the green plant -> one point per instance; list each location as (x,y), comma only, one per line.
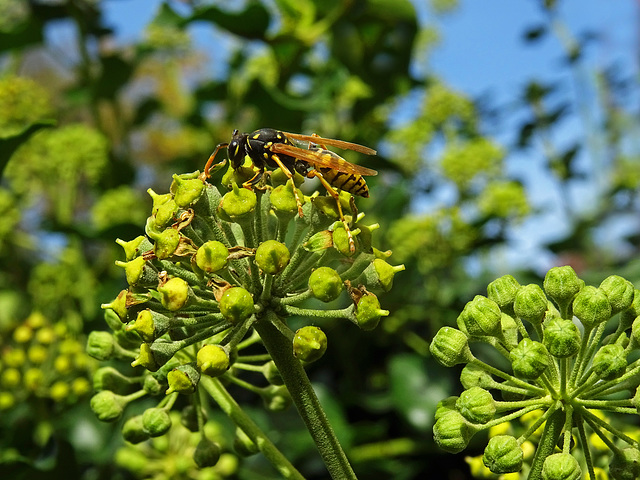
(567,369)
(217,276)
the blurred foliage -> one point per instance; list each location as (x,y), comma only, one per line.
(449,197)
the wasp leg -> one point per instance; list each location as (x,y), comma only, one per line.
(336,197)
(212,157)
(289,175)
(254,180)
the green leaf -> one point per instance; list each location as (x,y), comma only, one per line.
(8,145)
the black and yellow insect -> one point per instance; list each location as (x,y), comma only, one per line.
(305,154)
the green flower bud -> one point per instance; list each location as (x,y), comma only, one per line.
(446,406)
(284,202)
(212,256)
(610,361)
(341,239)
(276,398)
(325,284)
(146,358)
(452,432)
(309,344)
(619,291)
(530,304)
(186,191)
(207,453)
(591,306)
(272,374)
(379,275)
(236,304)
(237,176)
(319,241)
(156,421)
(625,464)
(503,454)
(133,430)
(136,247)
(562,284)
(450,347)
(272,257)
(149,325)
(480,317)
(561,337)
(151,385)
(189,418)
(238,203)
(212,360)
(183,379)
(243,445)
(174,293)
(101,345)
(158,199)
(529,359)
(503,292)
(368,312)
(561,466)
(165,214)
(166,242)
(139,272)
(108,406)
(476,405)
(118,306)
(108,378)
(628,316)
(475,376)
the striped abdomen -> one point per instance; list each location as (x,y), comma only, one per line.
(348,182)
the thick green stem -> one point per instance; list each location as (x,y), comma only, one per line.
(304,397)
(229,406)
(548,441)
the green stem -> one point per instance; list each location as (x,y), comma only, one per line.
(305,399)
(229,406)
(548,441)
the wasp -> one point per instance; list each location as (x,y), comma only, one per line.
(307,155)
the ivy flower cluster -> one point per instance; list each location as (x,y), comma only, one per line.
(42,360)
(566,357)
(216,276)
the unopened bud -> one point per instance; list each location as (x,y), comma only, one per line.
(610,361)
(561,337)
(238,203)
(591,306)
(186,191)
(108,406)
(562,284)
(212,256)
(207,453)
(450,347)
(284,202)
(503,291)
(101,345)
(133,430)
(530,304)
(174,293)
(625,464)
(452,432)
(476,405)
(272,257)
(212,360)
(156,421)
(309,344)
(561,466)
(236,304)
(325,284)
(529,359)
(368,312)
(480,317)
(619,291)
(183,379)
(503,454)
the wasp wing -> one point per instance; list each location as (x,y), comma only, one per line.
(322,158)
(331,142)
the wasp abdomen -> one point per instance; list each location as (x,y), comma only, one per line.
(347,182)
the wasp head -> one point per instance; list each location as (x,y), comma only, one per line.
(237,149)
